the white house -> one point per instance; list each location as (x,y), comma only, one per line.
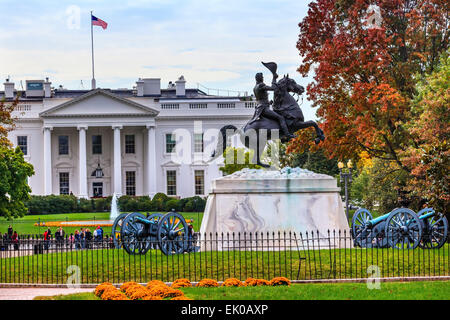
(94,143)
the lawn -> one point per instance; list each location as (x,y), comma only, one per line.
(25,225)
(431,290)
(115,265)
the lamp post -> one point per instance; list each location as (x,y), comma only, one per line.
(346,175)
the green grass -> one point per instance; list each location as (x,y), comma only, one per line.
(432,290)
(115,265)
(25,225)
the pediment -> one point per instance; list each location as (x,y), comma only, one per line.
(99,103)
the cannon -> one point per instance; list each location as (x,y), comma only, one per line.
(137,233)
(399,229)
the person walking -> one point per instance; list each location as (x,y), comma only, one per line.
(77,238)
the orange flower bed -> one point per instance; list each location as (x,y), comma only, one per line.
(251,282)
(207,283)
(139,293)
(102,288)
(114,294)
(126,285)
(280,281)
(173,293)
(135,292)
(159,291)
(154,283)
(181,283)
(232,282)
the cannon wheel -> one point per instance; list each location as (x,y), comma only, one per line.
(362,234)
(115,231)
(435,230)
(134,238)
(403,229)
(172,233)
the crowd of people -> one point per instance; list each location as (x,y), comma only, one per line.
(80,239)
(10,238)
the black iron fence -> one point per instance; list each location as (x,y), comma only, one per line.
(297,256)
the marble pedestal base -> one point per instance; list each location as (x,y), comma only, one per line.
(264,203)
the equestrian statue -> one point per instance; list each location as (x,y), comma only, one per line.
(285,117)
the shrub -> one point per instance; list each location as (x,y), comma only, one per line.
(154,283)
(280,281)
(232,282)
(126,285)
(159,290)
(159,201)
(102,288)
(138,293)
(172,293)
(133,289)
(172,204)
(207,283)
(181,283)
(251,282)
(114,295)
(194,204)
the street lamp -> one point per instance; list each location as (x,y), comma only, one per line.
(346,175)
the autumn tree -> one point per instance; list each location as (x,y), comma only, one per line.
(365,75)
(14,170)
(429,151)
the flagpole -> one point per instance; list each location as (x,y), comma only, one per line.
(92,53)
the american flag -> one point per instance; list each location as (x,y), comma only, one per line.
(99,22)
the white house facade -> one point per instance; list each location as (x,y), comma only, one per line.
(140,141)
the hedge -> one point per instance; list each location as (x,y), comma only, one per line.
(54,204)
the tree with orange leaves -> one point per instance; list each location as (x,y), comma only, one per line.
(365,74)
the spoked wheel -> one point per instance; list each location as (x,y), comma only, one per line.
(172,234)
(134,234)
(435,230)
(116,228)
(403,229)
(361,230)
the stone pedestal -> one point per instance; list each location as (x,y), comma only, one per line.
(265,202)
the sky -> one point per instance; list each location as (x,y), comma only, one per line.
(218,44)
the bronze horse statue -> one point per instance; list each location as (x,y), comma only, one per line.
(285,105)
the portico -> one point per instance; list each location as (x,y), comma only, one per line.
(99,131)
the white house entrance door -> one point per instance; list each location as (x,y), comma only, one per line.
(98,189)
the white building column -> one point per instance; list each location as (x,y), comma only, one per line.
(48,188)
(82,162)
(117,161)
(151,160)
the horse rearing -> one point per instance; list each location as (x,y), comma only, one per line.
(285,105)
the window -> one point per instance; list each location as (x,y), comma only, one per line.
(199,182)
(22,143)
(171,183)
(170,143)
(130,183)
(198,142)
(63,183)
(63,142)
(129,143)
(96,144)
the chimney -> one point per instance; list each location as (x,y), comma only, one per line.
(181,87)
(152,86)
(140,88)
(47,89)
(9,89)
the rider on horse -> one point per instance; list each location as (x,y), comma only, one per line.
(263,107)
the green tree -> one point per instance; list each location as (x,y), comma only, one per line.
(14,189)
(237,159)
